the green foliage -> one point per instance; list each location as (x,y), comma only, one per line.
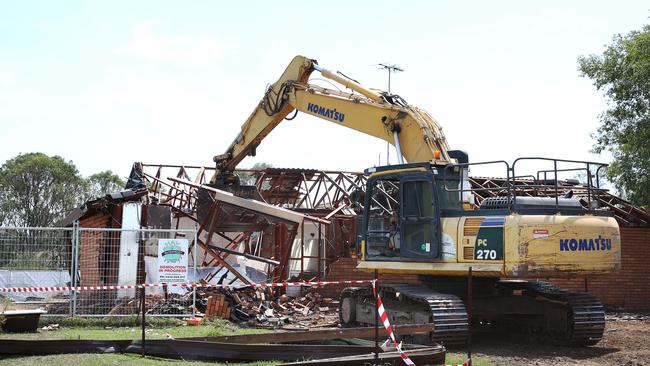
(248,179)
(38,190)
(622,72)
(102,183)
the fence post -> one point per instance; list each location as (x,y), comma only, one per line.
(194,277)
(143,306)
(469,316)
(74,265)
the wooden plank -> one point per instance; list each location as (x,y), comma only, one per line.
(246,255)
(316,335)
(222,262)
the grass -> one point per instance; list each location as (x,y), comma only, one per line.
(121,328)
(458,359)
(129,328)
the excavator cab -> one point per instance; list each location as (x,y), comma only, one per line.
(402,219)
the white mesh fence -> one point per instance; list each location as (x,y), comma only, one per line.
(37,257)
(50,257)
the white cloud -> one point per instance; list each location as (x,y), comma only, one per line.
(189,50)
(12,74)
(7,77)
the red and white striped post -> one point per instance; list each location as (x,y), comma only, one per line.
(389,328)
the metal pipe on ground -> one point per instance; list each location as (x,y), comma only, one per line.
(422,356)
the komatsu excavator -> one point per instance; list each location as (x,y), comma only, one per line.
(419,218)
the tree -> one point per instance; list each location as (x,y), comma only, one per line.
(622,72)
(39,190)
(246,178)
(102,183)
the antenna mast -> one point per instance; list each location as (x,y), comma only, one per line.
(391,69)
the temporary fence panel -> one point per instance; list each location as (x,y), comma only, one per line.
(74,256)
(124,257)
(36,257)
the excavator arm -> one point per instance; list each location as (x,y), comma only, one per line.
(415,134)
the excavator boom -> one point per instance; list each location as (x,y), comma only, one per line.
(414,133)
(266,116)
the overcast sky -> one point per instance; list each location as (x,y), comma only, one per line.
(108,83)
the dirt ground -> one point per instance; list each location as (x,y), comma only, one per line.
(626,343)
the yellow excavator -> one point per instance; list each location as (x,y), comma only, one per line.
(420,218)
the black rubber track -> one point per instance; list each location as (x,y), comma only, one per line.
(585,313)
(448,312)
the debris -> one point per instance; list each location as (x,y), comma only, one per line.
(50,327)
(194,321)
(262,307)
(217,306)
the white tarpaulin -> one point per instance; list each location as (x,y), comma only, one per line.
(27,278)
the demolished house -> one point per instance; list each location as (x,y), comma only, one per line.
(233,240)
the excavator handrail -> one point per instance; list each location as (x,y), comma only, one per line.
(467,165)
(513,188)
(555,175)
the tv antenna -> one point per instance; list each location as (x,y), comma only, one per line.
(391,69)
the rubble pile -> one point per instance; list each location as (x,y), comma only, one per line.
(171,304)
(263,308)
(155,304)
(257,307)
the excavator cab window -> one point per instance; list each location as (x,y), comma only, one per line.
(382,233)
(449,197)
(419,224)
(402,219)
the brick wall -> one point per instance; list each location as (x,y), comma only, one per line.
(628,289)
(89,252)
(344,269)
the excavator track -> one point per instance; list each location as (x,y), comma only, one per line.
(448,312)
(567,318)
(585,314)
